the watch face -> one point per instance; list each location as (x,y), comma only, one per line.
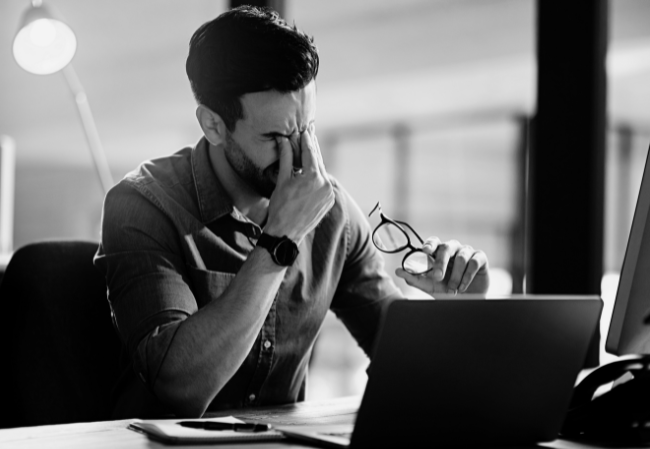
(286,252)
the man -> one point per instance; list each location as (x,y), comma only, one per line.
(223,259)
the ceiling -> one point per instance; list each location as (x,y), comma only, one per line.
(381,60)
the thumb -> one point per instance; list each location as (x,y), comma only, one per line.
(286,159)
(414,280)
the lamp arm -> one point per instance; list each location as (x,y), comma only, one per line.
(88,122)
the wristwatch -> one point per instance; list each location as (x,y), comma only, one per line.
(283,250)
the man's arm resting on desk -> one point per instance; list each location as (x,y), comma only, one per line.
(185,354)
(211,344)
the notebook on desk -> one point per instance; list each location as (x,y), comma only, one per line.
(170,431)
(469,372)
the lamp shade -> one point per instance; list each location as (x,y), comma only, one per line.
(44,44)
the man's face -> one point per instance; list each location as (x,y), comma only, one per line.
(252,150)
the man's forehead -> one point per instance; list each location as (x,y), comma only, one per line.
(276,111)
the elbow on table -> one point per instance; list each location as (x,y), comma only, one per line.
(183,403)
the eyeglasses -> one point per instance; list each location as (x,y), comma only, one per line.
(392,236)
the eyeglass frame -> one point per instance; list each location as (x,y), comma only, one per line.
(400,225)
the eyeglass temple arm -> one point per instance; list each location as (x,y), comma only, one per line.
(403,223)
(377,206)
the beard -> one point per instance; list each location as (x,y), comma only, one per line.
(261,180)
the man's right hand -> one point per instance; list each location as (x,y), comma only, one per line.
(300,200)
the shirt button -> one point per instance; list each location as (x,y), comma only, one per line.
(267,344)
(251,398)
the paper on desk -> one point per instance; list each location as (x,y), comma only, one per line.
(169,431)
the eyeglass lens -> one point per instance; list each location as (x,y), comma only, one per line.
(417,262)
(389,237)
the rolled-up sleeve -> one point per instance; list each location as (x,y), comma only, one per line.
(364,288)
(147,283)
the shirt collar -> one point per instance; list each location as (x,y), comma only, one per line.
(214,201)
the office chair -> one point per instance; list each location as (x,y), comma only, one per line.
(60,354)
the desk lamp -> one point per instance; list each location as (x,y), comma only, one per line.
(44,45)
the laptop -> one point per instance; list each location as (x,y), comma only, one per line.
(468,372)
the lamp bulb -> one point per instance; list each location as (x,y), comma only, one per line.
(44,46)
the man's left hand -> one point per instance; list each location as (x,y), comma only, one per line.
(455,268)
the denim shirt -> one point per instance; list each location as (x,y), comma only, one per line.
(172,241)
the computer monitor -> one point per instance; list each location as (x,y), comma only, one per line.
(629,330)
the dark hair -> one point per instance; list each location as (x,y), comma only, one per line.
(247,49)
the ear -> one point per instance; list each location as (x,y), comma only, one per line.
(212,125)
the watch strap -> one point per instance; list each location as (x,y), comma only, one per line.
(267,241)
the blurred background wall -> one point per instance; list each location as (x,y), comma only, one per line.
(421,105)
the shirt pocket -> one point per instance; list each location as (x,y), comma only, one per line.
(208,285)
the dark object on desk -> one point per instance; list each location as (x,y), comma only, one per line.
(237,427)
(59,350)
(618,417)
(469,372)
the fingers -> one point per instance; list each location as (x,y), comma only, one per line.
(430,245)
(313,162)
(476,263)
(442,253)
(308,153)
(311,151)
(296,151)
(319,154)
(458,264)
(286,159)
(463,271)
(414,280)
(453,267)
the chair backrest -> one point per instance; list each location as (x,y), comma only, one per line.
(60,353)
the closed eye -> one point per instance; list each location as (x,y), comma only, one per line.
(275,135)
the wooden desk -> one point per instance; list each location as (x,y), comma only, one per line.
(115,435)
